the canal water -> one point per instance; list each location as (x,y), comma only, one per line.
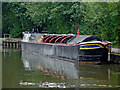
(31,70)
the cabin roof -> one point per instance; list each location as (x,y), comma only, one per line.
(83,38)
(73,40)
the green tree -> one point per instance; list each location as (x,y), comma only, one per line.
(92,18)
(15,20)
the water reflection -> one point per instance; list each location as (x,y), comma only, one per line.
(83,75)
(87,74)
(39,71)
(26,65)
(47,63)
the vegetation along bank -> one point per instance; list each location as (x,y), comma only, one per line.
(98,18)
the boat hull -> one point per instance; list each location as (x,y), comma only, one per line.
(54,50)
(100,54)
(72,52)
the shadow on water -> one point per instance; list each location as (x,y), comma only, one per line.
(34,69)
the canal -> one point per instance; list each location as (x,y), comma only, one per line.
(30,70)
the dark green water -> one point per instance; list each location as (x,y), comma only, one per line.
(33,68)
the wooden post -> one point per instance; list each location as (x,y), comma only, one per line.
(109,50)
(19,44)
(3,44)
(7,45)
(15,46)
(10,44)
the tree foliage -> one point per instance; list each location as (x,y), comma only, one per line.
(98,18)
(15,20)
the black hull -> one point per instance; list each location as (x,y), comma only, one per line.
(100,54)
(72,52)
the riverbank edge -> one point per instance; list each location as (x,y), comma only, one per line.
(115,59)
(116,51)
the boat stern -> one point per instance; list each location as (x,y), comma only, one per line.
(95,51)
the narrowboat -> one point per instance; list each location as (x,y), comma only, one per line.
(83,48)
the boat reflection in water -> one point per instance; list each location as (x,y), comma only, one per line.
(48,64)
(80,75)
